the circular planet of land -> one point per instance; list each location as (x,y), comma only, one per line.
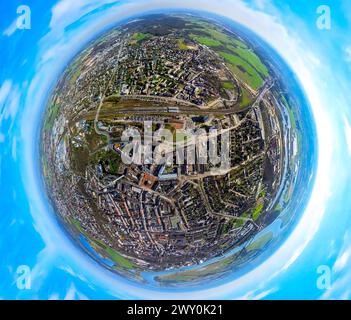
(168,142)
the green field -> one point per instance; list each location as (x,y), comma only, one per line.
(182,45)
(138,37)
(241,59)
(110,159)
(238,65)
(214,34)
(210,42)
(245,98)
(240,44)
(191,275)
(53,112)
(260,242)
(119,259)
(238,223)
(252,59)
(257,211)
(115,256)
(291,113)
(76,224)
(228,85)
(292,119)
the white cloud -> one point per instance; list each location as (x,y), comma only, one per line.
(341,276)
(14,149)
(74,274)
(71,292)
(11,29)
(344,256)
(54,296)
(9,100)
(44,263)
(4,91)
(343,260)
(13,104)
(261,4)
(257,294)
(74,294)
(348,134)
(347,52)
(66,12)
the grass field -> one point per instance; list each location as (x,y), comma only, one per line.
(182,45)
(115,256)
(251,58)
(215,34)
(228,85)
(119,259)
(257,211)
(76,224)
(291,113)
(53,113)
(246,98)
(237,65)
(243,61)
(210,42)
(137,37)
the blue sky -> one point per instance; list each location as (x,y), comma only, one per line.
(31,60)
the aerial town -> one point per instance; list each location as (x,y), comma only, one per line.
(164,143)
